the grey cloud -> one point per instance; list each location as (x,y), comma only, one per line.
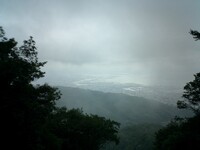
(149,40)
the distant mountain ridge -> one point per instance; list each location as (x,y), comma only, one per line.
(109,83)
(120,107)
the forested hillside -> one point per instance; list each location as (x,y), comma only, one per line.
(140,118)
(123,108)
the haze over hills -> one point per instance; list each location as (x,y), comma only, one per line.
(112,84)
(140,117)
(123,108)
(142,110)
(167,95)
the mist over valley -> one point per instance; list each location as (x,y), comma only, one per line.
(125,108)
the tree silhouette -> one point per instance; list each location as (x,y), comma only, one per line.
(179,134)
(191,93)
(24,107)
(29,117)
(183,133)
(82,131)
(195,34)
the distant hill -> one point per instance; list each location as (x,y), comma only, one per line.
(120,107)
(161,93)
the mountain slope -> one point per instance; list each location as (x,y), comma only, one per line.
(120,107)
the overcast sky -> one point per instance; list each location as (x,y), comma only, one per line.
(140,41)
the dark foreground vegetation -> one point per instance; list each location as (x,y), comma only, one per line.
(139,137)
(183,133)
(30,119)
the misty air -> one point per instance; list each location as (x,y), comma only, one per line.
(100,74)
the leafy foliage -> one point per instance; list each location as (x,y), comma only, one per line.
(83,131)
(139,136)
(191,95)
(179,134)
(24,107)
(183,133)
(29,117)
(195,34)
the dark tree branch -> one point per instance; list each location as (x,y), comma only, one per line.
(195,34)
